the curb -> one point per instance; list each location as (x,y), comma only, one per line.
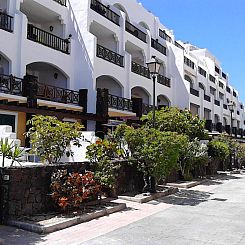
(45,229)
(154,196)
(186,185)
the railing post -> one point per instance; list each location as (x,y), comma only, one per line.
(138,106)
(83,99)
(30,88)
(102,103)
(219,127)
(208,125)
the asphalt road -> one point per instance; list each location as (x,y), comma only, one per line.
(197,217)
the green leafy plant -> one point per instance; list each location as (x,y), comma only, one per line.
(176,120)
(241,154)
(16,153)
(219,152)
(50,138)
(155,152)
(102,155)
(193,155)
(5,149)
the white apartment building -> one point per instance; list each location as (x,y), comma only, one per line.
(58,56)
(121,36)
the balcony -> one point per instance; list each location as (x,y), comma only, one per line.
(207,98)
(21,87)
(10,85)
(135,31)
(158,46)
(61,2)
(164,80)
(140,70)
(120,103)
(47,39)
(105,11)
(146,108)
(6,22)
(109,55)
(217,102)
(55,94)
(194,92)
(164,35)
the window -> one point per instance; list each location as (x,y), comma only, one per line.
(211,78)
(234,94)
(221,95)
(224,75)
(201,86)
(212,90)
(228,89)
(8,120)
(241,106)
(217,69)
(189,62)
(202,71)
(221,85)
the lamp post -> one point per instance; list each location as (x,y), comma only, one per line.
(231,108)
(153,66)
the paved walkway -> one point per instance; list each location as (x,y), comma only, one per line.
(212,213)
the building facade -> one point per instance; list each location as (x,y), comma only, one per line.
(121,36)
(86,61)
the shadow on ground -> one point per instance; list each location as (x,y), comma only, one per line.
(12,235)
(186,198)
(220,180)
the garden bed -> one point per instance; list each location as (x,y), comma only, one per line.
(162,191)
(51,222)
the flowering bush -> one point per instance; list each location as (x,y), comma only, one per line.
(70,191)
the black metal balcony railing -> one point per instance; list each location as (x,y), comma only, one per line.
(61,2)
(178,45)
(6,22)
(140,70)
(194,92)
(56,94)
(207,98)
(146,108)
(109,55)
(120,103)
(225,106)
(217,102)
(105,11)
(164,80)
(164,35)
(159,47)
(135,31)
(10,85)
(45,38)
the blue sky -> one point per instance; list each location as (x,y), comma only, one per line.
(218,25)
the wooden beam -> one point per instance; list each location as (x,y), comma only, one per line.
(48,112)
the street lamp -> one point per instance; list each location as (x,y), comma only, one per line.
(154,66)
(231,108)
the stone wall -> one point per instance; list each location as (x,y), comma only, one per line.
(29,187)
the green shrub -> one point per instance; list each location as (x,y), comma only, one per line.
(50,137)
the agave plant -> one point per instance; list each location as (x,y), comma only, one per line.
(5,149)
(16,153)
